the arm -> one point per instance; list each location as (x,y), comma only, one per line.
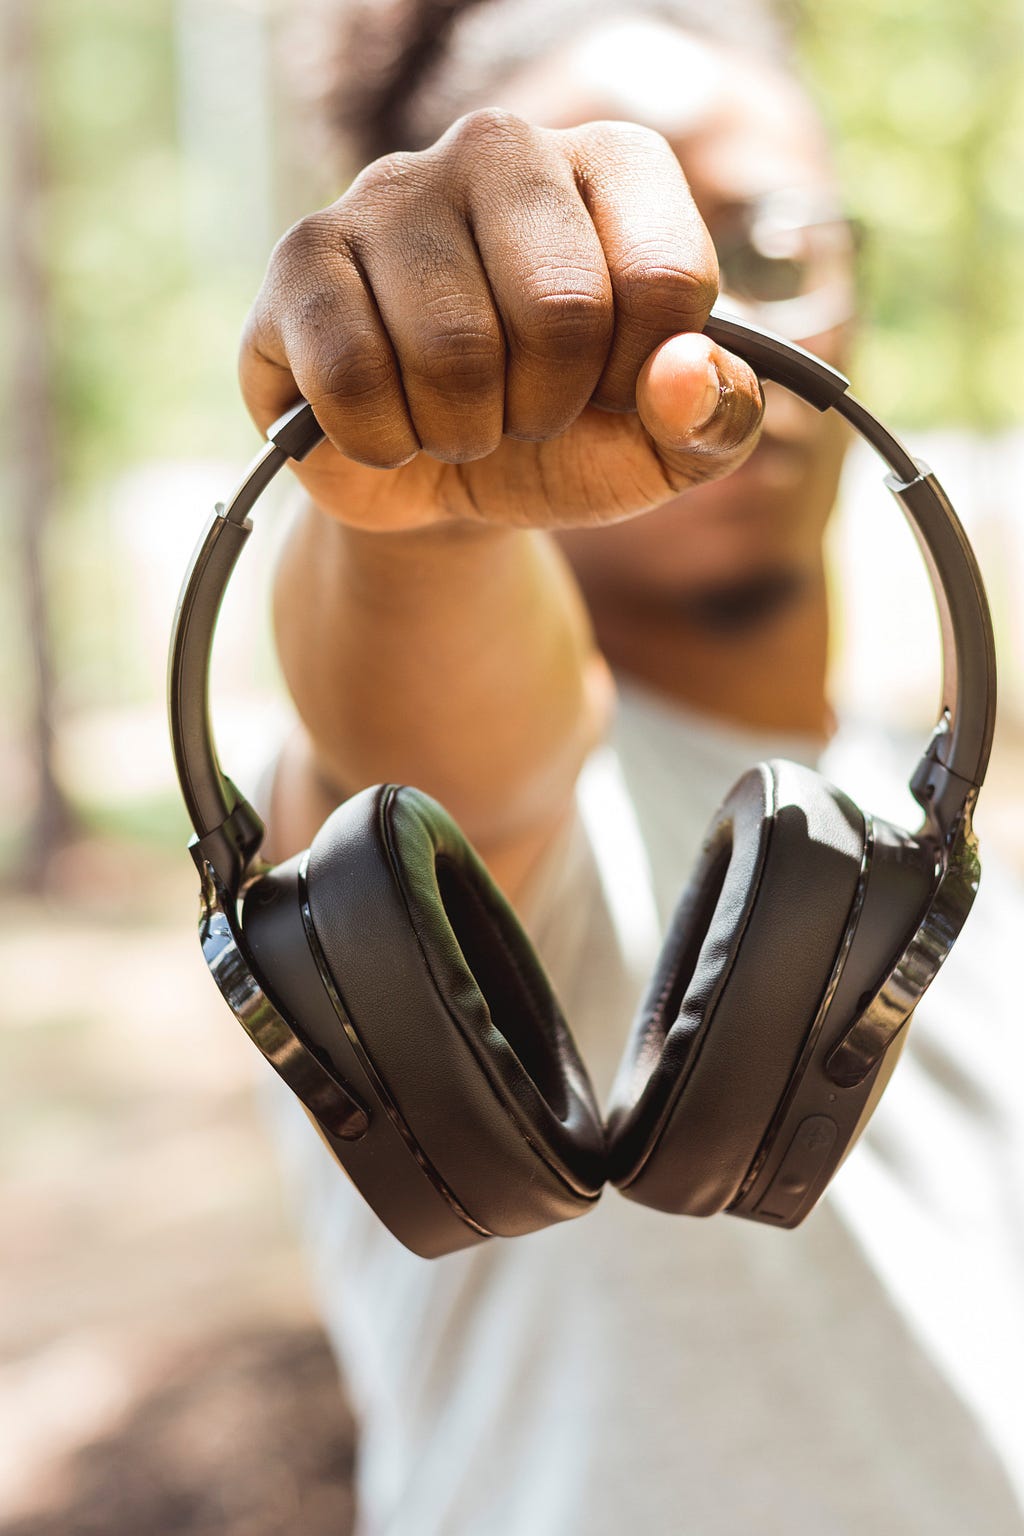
(458,658)
(497,336)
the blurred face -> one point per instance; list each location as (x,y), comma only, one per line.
(755,157)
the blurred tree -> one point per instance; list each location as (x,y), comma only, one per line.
(31,420)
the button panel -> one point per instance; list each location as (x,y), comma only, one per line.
(798,1172)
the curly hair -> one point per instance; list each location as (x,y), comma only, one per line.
(392,74)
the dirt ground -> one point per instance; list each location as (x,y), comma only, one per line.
(160,1367)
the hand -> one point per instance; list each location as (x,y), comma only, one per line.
(502,328)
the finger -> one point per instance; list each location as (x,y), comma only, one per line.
(436,304)
(546,270)
(661,261)
(315,330)
(701,406)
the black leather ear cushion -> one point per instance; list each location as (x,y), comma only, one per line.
(738,984)
(448,1000)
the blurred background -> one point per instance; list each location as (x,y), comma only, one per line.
(159,1366)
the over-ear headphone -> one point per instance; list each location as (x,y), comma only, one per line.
(387,980)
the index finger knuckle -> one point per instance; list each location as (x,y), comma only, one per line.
(458,361)
(652,287)
(487,128)
(563,311)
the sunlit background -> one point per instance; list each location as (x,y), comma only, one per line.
(154,1327)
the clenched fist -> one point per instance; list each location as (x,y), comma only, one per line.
(503,327)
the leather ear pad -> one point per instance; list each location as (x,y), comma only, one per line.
(447,999)
(744,967)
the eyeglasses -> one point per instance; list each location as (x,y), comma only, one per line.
(788,261)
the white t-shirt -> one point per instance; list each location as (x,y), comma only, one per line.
(632,1371)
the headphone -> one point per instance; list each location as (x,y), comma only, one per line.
(387,980)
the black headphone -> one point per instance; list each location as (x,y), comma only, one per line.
(390,984)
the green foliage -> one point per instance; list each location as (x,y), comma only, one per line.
(144,344)
(142,333)
(926,102)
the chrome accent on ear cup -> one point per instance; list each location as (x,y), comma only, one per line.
(331,1102)
(368,1065)
(867,1040)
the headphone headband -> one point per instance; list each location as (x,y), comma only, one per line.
(951,768)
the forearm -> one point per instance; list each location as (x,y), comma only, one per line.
(458,658)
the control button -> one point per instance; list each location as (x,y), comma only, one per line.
(798,1172)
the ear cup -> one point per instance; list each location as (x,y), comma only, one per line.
(738,984)
(450,1006)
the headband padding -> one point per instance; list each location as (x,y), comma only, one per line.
(448,1000)
(738,984)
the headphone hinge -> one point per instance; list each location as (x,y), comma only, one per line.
(941,793)
(230,848)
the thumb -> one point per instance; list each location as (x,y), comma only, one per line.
(702,407)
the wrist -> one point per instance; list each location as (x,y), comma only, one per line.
(453,547)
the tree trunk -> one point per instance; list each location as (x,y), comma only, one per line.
(31,413)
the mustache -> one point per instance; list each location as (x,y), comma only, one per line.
(735,608)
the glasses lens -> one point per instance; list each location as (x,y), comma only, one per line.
(791,270)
